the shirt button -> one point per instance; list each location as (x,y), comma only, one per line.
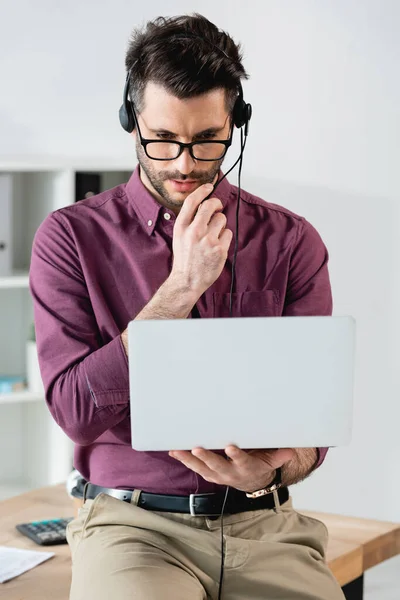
(149,222)
(167,216)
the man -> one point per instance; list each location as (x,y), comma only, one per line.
(152,249)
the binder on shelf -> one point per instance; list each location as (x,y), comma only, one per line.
(5,225)
(86,185)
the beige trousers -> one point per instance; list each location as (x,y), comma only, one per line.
(121,551)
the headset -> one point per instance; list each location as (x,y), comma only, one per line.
(241,115)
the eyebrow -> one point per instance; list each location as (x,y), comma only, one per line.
(209,130)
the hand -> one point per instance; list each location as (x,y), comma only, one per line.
(244,470)
(200,241)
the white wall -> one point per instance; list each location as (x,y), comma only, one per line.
(362,234)
(324,142)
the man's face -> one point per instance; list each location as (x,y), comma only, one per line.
(166,117)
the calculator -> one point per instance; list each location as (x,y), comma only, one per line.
(46,533)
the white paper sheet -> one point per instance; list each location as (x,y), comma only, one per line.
(14,561)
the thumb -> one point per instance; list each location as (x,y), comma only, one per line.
(274,458)
(282,456)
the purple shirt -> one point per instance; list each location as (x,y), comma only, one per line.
(97,263)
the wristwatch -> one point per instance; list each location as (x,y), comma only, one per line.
(275,484)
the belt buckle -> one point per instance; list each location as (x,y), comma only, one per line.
(192,499)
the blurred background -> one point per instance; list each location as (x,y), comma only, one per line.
(324,142)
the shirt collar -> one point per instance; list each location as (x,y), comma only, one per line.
(147,207)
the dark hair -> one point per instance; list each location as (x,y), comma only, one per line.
(185,66)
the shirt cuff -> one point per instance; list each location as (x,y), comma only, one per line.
(321,452)
(107,374)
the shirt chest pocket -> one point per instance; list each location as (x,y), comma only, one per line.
(247,304)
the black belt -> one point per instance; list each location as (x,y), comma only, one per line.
(195,504)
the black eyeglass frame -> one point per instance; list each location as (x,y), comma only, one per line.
(145,141)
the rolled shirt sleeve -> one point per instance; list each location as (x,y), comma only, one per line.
(309,289)
(86,380)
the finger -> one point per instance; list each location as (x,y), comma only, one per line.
(193,463)
(217,225)
(206,212)
(214,462)
(191,204)
(226,239)
(239,457)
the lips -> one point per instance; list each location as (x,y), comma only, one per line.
(183,186)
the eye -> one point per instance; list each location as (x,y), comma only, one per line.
(207,136)
(164,136)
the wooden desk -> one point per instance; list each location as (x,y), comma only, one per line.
(378,541)
(354,546)
(52,579)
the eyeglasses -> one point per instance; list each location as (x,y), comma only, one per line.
(206,150)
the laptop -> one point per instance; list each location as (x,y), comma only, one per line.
(256,382)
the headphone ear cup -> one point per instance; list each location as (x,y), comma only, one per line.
(249,112)
(241,113)
(238,113)
(126,117)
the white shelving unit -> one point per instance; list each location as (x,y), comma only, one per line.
(34,451)
(23,396)
(16,280)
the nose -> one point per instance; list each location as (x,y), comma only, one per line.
(185,163)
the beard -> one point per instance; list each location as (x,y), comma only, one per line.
(158,179)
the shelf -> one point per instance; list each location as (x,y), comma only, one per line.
(19,279)
(61,163)
(34,450)
(25,396)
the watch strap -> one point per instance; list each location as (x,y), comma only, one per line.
(275,484)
